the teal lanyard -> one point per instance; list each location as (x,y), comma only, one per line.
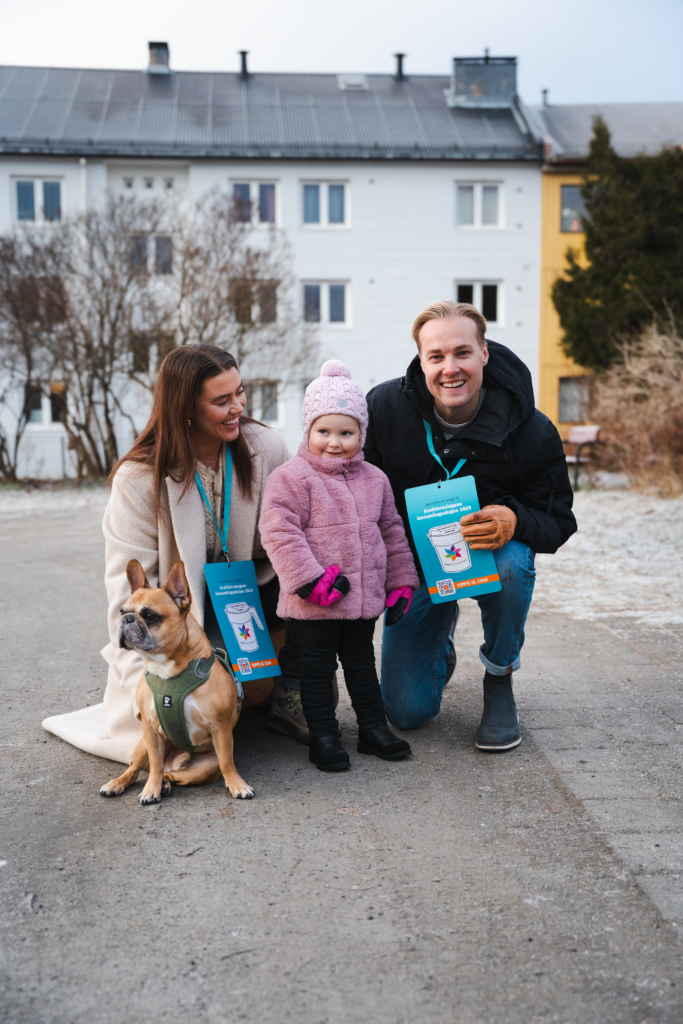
(227,491)
(430,442)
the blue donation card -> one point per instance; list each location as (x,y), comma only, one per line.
(234,593)
(452,570)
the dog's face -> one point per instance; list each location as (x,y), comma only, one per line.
(153,621)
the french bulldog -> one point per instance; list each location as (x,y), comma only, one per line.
(158,624)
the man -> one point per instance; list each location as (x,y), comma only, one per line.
(479,401)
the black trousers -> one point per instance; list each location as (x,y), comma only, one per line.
(320,641)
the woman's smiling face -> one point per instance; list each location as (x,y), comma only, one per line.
(218,408)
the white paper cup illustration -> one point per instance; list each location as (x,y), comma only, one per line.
(240,617)
(449,545)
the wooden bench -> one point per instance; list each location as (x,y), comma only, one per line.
(582,437)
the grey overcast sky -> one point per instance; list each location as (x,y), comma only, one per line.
(583,51)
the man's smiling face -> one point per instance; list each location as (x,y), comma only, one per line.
(453,360)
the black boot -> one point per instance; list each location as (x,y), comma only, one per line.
(499,728)
(327,753)
(381,741)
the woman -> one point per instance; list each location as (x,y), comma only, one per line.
(156,514)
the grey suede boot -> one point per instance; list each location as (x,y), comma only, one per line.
(499,728)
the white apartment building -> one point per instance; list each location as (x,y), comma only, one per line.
(394,191)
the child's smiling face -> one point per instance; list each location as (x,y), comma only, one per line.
(334,437)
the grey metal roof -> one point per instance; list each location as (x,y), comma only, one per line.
(196,114)
(635,127)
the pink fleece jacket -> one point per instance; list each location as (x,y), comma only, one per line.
(319,512)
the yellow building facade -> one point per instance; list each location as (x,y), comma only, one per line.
(562,392)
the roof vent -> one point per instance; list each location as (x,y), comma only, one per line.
(399,76)
(352,83)
(482,82)
(159,57)
(244,71)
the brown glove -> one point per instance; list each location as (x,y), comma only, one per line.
(489,529)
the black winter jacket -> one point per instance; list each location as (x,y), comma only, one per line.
(513,451)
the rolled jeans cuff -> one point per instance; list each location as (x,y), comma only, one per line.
(499,670)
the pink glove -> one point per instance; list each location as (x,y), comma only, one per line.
(327,589)
(398,602)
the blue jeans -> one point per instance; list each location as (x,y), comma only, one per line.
(415,650)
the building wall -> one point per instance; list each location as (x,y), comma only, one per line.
(400,250)
(553,363)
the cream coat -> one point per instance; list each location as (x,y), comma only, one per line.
(133,530)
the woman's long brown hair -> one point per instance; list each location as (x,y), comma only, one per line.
(165,443)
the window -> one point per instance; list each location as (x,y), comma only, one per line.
(262,400)
(127,182)
(57,403)
(574,397)
(478,205)
(311,204)
(485,296)
(267,300)
(266,204)
(572,210)
(165,344)
(326,304)
(34,404)
(52,210)
(168,183)
(138,345)
(49,194)
(241,202)
(149,182)
(26,205)
(325,204)
(138,252)
(254,201)
(163,254)
(241,297)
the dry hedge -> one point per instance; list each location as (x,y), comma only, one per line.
(639,406)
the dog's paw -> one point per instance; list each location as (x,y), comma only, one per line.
(241,791)
(149,798)
(111,789)
(165,788)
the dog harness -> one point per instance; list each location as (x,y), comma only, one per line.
(170,694)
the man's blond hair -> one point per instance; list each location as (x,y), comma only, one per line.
(448,310)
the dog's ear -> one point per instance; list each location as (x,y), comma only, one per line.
(136,576)
(177,586)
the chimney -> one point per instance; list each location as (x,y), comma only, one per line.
(399,76)
(159,57)
(483,82)
(244,74)
(544,94)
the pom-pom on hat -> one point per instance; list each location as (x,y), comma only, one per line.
(334,392)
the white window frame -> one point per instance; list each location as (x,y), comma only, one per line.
(325,304)
(253,184)
(478,206)
(46,423)
(477,297)
(38,181)
(324,223)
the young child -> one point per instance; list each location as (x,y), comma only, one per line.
(332,532)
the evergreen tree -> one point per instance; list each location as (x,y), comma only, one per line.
(634,245)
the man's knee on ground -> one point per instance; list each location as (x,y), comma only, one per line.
(407,717)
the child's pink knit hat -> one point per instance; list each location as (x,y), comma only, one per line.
(334,392)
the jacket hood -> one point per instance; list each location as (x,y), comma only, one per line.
(509,400)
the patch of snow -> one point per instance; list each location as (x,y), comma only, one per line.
(625,561)
(15,501)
